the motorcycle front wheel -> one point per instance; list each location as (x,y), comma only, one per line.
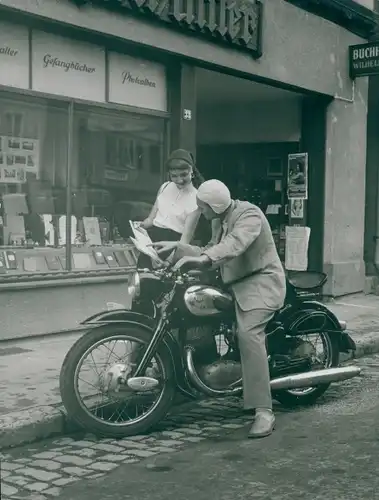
(100,404)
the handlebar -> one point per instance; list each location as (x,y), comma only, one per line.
(170,275)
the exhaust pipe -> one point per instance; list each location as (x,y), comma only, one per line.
(298,381)
(317,377)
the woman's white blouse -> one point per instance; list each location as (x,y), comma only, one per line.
(174,205)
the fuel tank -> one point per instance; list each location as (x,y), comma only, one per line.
(205,300)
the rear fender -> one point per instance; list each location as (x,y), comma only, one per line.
(130,318)
(312,317)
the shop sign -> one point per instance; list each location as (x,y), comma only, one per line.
(135,82)
(67,67)
(14,55)
(235,22)
(364,59)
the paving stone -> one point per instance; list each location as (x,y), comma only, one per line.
(131,461)
(73,460)
(132,444)
(22,460)
(49,455)
(75,471)
(18,480)
(187,430)
(114,458)
(142,453)
(46,464)
(173,434)
(82,444)
(97,476)
(5,473)
(194,439)
(10,466)
(36,486)
(54,492)
(110,448)
(86,452)
(103,466)
(162,449)
(8,490)
(168,442)
(64,481)
(232,426)
(64,441)
(40,475)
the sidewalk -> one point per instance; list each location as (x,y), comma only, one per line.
(30,404)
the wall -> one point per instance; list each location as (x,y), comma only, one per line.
(299,48)
(345,180)
(259,122)
(54,308)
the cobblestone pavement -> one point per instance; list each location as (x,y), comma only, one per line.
(41,471)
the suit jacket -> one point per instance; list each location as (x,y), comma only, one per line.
(248,259)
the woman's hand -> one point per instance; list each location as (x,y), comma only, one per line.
(200,261)
(165,246)
(145,224)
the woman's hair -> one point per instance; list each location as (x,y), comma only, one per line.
(181,158)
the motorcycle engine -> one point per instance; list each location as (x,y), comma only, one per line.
(220,374)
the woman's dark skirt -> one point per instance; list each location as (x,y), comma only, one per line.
(158,234)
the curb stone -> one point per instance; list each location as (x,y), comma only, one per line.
(38,423)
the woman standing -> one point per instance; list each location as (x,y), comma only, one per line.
(175,215)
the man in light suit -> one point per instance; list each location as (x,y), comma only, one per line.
(250,266)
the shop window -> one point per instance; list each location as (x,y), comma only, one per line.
(33,160)
(113,180)
(116,169)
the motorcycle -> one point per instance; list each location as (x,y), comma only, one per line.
(181,331)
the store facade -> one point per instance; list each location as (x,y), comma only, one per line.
(95,94)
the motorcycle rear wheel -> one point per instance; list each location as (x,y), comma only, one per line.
(295,398)
(75,407)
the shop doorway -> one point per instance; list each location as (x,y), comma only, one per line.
(245,132)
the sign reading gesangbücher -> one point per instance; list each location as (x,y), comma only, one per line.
(364,59)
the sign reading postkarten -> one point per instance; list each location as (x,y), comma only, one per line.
(364,59)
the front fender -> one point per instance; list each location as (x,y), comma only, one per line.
(312,317)
(126,317)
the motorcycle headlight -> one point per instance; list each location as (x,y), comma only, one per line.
(134,287)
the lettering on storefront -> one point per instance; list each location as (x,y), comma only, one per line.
(236,22)
(50,61)
(364,59)
(128,77)
(8,51)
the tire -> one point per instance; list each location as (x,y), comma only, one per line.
(291,400)
(81,416)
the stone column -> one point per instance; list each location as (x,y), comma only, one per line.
(345,173)
(182,85)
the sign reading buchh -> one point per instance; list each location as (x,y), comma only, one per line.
(364,59)
(237,23)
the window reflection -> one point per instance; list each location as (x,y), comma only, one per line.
(116,173)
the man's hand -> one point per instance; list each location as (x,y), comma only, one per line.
(165,246)
(199,261)
(145,224)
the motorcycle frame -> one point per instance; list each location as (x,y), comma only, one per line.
(289,318)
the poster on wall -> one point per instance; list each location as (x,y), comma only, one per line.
(298,176)
(17,157)
(297,208)
(296,252)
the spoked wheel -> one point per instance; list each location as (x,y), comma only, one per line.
(91,382)
(322,350)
